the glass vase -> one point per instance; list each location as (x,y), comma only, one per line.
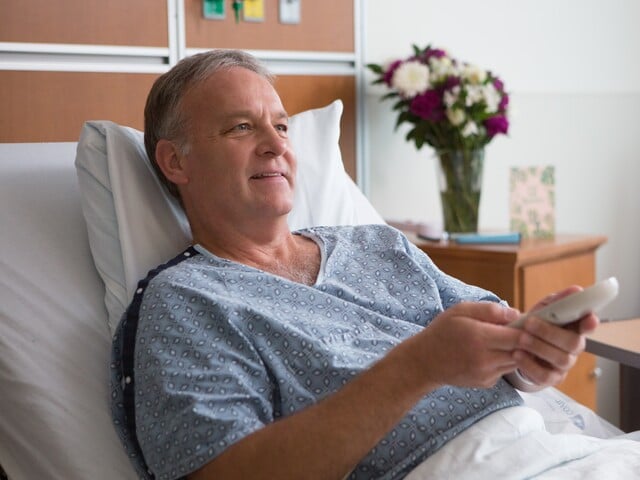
(460,182)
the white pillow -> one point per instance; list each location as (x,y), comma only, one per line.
(134,224)
(325,194)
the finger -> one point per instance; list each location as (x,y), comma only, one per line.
(588,324)
(484,334)
(500,338)
(547,354)
(565,339)
(489,312)
(538,371)
(584,325)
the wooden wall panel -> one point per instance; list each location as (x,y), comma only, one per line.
(53,106)
(300,93)
(116,22)
(326,25)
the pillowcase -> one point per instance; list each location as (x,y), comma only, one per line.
(134,224)
(324,194)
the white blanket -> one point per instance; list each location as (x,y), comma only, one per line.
(514,444)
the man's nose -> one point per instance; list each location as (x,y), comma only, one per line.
(272,142)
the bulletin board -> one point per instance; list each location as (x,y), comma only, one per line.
(325,26)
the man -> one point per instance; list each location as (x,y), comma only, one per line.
(327,353)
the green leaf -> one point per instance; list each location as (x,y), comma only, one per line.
(375,68)
(404,117)
(410,135)
(400,104)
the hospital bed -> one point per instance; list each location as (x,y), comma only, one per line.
(81,222)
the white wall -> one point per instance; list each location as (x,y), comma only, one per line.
(573,70)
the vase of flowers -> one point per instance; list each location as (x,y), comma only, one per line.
(457,109)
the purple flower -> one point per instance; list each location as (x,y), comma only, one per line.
(451,82)
(435,52)
(504,103)
(429,53)
(388,75)
(428,106)
(498,84)
(496,125)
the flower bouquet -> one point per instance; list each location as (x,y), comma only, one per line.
(456,108)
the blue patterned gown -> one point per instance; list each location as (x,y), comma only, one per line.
(211,350)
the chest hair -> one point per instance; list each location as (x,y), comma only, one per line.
(303,266)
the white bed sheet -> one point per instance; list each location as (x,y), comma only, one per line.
(514,443)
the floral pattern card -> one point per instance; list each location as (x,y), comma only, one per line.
(532,201)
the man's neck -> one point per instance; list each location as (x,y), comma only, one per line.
(275,250)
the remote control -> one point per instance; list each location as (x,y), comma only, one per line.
(576,305)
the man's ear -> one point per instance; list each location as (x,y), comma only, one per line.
(171,162)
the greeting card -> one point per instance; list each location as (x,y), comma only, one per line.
(532,201)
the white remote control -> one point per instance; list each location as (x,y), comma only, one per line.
(576,305)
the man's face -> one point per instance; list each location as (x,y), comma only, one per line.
(239,162)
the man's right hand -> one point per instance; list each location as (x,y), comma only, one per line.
(467,345)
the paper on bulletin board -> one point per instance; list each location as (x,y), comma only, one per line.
(532,201)
(253,10)
(213,9)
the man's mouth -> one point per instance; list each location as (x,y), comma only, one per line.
(267,175)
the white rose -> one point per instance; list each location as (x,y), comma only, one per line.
(451,96)
(456,116)
(475,94)
(469,129)
(411,78)
(440,68)
(473,74)
(491,97)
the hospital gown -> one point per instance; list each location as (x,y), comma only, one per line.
(211,350)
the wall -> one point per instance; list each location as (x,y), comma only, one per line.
(574,77)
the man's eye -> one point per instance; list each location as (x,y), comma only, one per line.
(282,128)
(242,126)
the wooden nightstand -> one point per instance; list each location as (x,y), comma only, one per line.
(523,274)
(620,341)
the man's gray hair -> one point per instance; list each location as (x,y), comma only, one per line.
(163,116)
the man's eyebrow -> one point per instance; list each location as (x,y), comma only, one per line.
(282,115)
(238,114)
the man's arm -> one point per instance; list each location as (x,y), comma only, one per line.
(328,439)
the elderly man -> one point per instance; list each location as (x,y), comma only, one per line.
(326,353)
